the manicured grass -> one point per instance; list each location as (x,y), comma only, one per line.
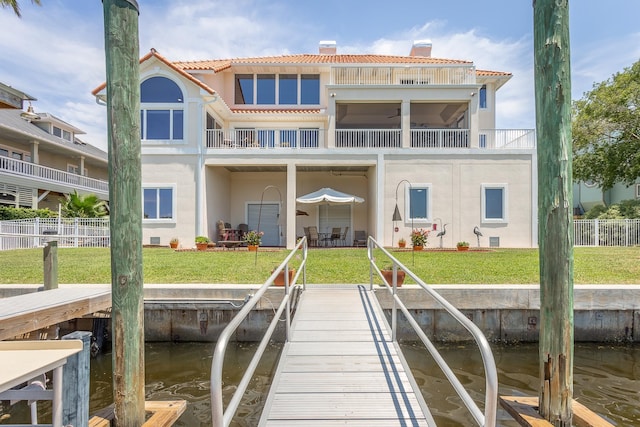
(163,265)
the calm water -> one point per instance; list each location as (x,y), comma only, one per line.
(606,379)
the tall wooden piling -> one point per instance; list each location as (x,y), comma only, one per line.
(50,264)
(555,205)
(123,120)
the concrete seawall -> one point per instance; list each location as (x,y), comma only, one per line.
(506,313)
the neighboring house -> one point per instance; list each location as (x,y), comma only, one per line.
(219,135)
(41,160)
(586,195)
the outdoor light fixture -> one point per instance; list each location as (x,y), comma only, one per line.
(396,212)
(30,114)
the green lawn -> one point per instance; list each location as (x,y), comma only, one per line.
(91,265)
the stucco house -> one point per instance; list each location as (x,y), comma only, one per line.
(42,158)
(225,139)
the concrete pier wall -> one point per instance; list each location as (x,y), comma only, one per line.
(505,313)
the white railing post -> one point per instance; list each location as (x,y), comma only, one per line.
(596,228)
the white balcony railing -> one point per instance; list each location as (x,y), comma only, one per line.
(404,76)
(368,138)
(439,138)
(265,138)
(507,138)
(44,173)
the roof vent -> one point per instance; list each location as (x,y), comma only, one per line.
(328,47)
(421,48)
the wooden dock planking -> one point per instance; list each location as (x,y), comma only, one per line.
(341,368)
(163,413)
(524,409)
(22,314)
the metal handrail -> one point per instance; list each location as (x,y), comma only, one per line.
(219,416)
(488,419)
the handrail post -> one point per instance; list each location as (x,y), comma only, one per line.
(288,310)
(394,309)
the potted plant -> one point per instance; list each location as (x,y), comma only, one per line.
(253,239)
(202,242)
(279,280)
(462,246)
(387,273)
(419,238)
(402,242)
(173,243)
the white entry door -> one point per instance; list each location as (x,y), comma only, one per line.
(269,217)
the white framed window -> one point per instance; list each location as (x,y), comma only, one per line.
(158,203)
(637,191)
(161,110)
(494,203)
(418,203)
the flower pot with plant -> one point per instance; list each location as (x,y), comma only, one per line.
(462,246)
(402,242)
(253,239)
(173,243)
(387,273)
(202,242)
(419,238)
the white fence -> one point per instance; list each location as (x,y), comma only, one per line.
(69,232)
(606,232)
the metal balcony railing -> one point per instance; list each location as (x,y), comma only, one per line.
(368,138)
(507,138)
(403,76)
(265,138)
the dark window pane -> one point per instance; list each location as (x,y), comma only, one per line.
(166,202)
(483,97)
(150,203)
(310,89)
(178,124)
(493,201)
(158,124)
(244,89)
(288,89)
(418,200)
(160,89)
(57,132)
(266,89)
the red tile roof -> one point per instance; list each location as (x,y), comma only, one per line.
(276,110)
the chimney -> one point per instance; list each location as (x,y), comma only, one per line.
(421,48)
(327,47)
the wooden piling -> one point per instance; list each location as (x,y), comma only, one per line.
(50,263)
(555,204)
(123,120)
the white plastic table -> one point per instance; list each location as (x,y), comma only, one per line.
(21,361)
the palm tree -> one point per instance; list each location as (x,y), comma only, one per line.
(15,6)
(89,206)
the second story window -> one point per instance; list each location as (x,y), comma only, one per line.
(483,96)
(161,110)
(277,89)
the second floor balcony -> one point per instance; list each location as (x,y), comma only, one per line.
(418,139)
(35,175)
(349,75)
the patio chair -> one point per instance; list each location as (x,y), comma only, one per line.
(343,236)
(334,237)
(313,236)
(360,238)
(244,229)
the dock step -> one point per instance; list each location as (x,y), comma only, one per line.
(163,413)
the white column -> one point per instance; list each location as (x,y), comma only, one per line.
(291,205)
(35,153)
(81,166)
(379,203)
(405,123)
(331,113)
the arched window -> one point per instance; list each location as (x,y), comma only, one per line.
(161,110)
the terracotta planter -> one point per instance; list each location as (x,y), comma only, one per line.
(463,248)
(402,245)
(279,280)
(388,277)
(173,245)
(417,248)
(202,246)
(252,248)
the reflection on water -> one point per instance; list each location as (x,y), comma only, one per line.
(605,380)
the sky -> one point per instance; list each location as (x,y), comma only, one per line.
(55,52)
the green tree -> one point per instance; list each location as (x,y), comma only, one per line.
(606,131)
(15,6)
(78,206)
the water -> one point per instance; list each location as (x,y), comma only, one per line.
(606,380)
